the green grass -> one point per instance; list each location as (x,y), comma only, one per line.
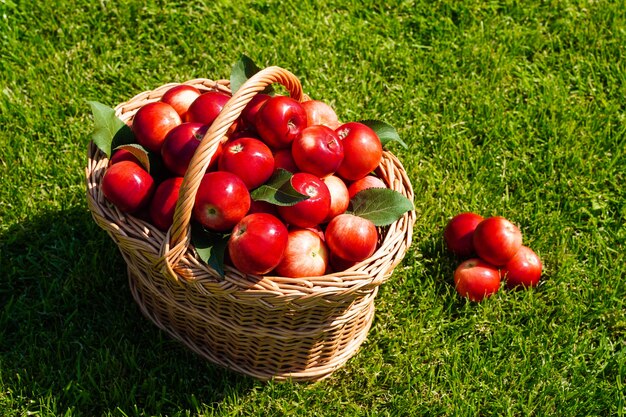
(509,108)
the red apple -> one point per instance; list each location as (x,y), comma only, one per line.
(260,206)
(320,113)
(163,203)
(338,264)
(339,198)
(351,237)
(279,121)
(318,150)
(248,114)
(283,159)
(313,210)
(306,255)
(152,122)
(459,233)
(362,150)
(123,155)
(476,279)
(128,186)
(248,158)
(523,270)
(257,243)
(368,181)
(180,144)
(497,240)
(207,107)
(222,200)
(180,98)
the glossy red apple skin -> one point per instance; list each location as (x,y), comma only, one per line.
(128,186)
(306,255)
(222,200)
(320,113)
(279,121)
(368,181)
(351,237)
(207,107)
(180,98)
(257,243)
(459,233)
(523,270)
(312,211)
(152,122)
(338,264)
(163,203)
(339,197)
(123,155)
(362,150)
(496,240)
(248,158)
(317,150)
(248,114)
(283,159)
(180,144)
(476,279)
(259,206)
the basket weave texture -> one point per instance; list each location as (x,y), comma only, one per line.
(267,327)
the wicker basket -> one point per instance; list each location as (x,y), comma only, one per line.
(267,327)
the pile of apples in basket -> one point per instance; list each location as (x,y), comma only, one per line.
(290,191)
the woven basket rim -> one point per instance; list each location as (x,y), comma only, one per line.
(270,290)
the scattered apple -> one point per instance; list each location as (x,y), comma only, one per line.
(497,240)
(459,233)
(523,270)
(476,279)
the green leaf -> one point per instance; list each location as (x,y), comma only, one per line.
(242,71)
(278,190)
(109,131)
(382,206)
(210,246)
(385,132)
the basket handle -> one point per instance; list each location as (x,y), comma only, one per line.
(178,239)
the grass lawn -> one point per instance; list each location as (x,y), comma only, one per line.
(508,108)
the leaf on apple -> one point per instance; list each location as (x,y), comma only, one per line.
(278,190)
(385,132)
(242,71)
(382,206)
(109,131)
(138,152)
(210,246)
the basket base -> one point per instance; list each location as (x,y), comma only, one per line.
(307,353)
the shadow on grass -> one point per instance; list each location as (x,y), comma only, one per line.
(72,337)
